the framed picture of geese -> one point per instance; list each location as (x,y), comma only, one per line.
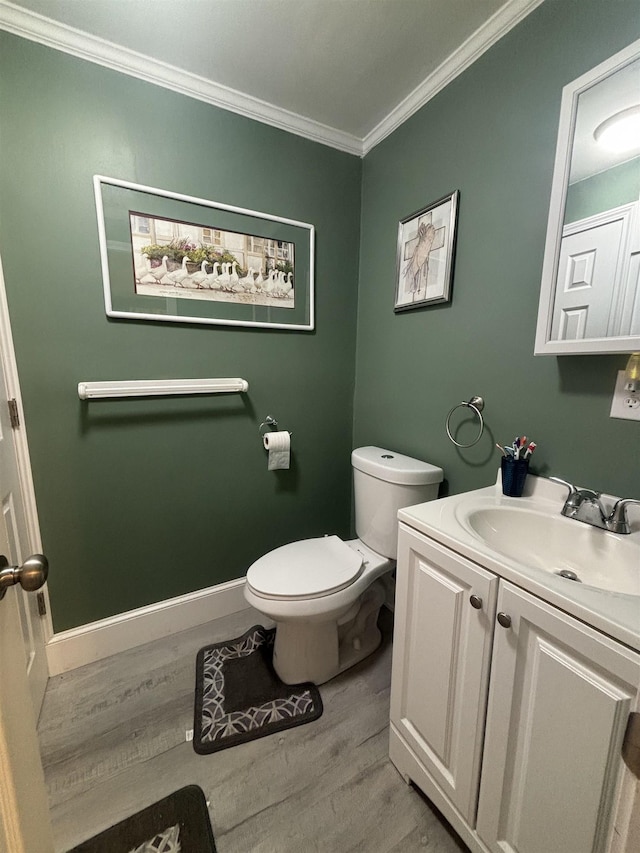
(426,246)
(180,259)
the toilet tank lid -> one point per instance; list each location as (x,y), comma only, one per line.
(394,467)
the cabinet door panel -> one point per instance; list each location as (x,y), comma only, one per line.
(558,707)
(442,648)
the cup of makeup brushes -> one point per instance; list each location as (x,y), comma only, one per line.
(514,475)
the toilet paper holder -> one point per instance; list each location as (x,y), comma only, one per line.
(269,422)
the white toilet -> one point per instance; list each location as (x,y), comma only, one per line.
(324,594)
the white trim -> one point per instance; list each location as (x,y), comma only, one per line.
(507,17)
(21,444)
(605,217)
(38,28)
(97,640)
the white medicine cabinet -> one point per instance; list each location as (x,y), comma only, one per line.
(590,291)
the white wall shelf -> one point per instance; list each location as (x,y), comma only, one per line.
(159,388)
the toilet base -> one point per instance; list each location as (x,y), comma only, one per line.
(318,651)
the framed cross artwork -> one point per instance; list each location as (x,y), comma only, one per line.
(426,244)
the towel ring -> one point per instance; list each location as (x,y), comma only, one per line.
(475,403)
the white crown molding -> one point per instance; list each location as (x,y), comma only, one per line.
(35,27)
(38,28)
(484,37)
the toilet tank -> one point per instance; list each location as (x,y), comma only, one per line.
(384,482)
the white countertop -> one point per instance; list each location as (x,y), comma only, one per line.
(615,614)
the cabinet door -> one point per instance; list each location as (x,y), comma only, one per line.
(441,656)
(559,703)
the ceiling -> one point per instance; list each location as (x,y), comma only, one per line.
(600,101)
(345,72)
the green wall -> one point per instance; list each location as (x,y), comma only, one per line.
(142,500)
(616,186)
(491,134)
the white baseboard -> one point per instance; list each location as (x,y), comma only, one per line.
(97,640)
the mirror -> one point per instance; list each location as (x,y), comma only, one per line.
(590,293)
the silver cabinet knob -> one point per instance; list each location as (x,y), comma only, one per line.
(31,575)
(504,619)
(475,601)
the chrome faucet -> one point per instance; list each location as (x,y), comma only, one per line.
(585,505)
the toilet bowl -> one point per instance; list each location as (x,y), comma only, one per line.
(320,612)
(325,594)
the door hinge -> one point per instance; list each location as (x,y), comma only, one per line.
(42,604)
(14,416)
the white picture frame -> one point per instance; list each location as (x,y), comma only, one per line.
(285,301)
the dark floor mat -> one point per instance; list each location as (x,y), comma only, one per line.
(177,824)
(239,697)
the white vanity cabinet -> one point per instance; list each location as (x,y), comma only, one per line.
(441,658)
(508,713)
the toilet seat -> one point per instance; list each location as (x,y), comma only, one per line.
(310,568)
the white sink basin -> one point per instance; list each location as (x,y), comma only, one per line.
(554,544)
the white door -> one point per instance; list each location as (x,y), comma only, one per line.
(441,654)
(24,816)
(22,529)
(592,266)
(559,702)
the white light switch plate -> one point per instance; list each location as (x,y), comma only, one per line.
(625,403)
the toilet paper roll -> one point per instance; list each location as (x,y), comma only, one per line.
(279,446)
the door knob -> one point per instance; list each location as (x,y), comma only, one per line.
(504,619)
(475,601)
(31,575)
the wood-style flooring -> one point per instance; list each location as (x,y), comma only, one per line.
(113,741)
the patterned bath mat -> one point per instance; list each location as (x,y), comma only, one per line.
(239,697)
(177,824)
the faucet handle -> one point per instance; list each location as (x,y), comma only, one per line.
(576,494)
(572,489)
(617,521)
